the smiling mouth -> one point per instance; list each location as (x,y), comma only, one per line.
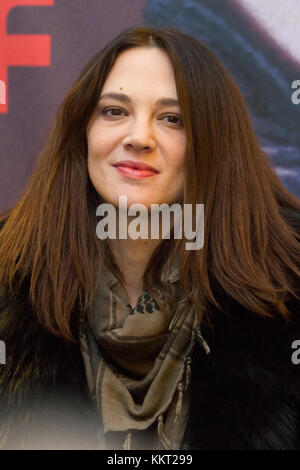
(135,172)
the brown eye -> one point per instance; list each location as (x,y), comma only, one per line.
(174,120)
(112,112)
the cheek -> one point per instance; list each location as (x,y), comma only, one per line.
(100,143)
(92,171)
(177,157)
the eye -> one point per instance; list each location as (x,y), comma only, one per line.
(175,120)
(116,112)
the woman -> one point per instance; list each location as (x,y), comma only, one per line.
(140,343)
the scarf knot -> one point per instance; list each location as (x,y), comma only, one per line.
(138,367)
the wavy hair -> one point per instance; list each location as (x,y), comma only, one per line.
(250,250)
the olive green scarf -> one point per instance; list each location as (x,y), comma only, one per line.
(137,363)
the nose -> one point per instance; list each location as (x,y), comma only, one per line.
(140,136)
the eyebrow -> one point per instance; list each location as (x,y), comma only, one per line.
(126,99)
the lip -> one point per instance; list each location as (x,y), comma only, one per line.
(135,170)
(135,165)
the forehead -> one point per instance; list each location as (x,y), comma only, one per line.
(142,70)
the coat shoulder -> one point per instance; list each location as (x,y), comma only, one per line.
(246,391)
(43,389)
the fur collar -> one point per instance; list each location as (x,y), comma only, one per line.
(245,392)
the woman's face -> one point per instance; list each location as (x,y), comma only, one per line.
(140,124)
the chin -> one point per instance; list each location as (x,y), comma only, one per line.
(132,199)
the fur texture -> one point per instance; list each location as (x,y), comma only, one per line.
(245,393)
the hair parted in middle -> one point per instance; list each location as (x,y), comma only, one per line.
(250,252)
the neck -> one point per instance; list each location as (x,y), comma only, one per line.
(132,257)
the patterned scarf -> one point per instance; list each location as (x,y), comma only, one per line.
(137,362)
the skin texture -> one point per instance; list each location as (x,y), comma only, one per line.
(142,131)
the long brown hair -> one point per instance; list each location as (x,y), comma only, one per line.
(250,251)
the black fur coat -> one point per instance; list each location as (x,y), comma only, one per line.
(245,393)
